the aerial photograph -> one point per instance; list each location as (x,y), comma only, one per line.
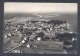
(40,28)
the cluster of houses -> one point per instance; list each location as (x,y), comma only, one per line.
(35,30)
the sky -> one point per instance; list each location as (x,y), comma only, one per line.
(26,7)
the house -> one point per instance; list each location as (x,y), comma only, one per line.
(28,45)
(38,38)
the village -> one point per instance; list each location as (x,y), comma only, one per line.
(39,35)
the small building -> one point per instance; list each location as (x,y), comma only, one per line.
(28,45)
(5,36)
(9,34)
(38,38)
